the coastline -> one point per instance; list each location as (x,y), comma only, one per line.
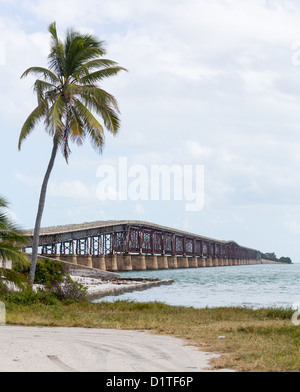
(99,288)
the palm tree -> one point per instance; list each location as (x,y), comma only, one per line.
(67,93)
(10,237)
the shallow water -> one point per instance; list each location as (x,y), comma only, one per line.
(254,286)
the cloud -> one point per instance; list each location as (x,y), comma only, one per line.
(74,189)
(292,226)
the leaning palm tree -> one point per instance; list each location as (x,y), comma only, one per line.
(10,237)
(67,94)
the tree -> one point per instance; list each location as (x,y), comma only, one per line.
(270,256)
(10,237)
(286,260)
(67,94)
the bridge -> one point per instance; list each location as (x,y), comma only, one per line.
(136,245)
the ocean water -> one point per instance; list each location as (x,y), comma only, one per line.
(256,286)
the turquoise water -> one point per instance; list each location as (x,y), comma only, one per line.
(255,286)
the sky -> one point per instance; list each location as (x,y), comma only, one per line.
(211,84)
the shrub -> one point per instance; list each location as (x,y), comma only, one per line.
(67,290)
(55,281)
(28,298)
(47,271)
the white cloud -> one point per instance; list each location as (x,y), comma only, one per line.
(74,189)
(293,227)
(196,150)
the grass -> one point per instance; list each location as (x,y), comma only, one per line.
(263,340)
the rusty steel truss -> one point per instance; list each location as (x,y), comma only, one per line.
(134,237)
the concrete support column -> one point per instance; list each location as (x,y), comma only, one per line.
(99,262)
(68,258)
(151,263)
(162,262)
(139,263)
(201,262)
(173,262)
(127,263)
(111,263)
(120,262)
(182,262)
(230,262)
(193,262)
(209,262)
(85,260)
(215,262)
(221,262)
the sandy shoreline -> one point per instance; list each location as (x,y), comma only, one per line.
(98,288)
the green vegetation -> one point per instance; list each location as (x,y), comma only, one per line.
(273,257)
(53,280)
(10,237)
(67,94)
(47,271)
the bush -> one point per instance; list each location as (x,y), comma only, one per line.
(47,271)
(55,281)
(29,298)
(67,290)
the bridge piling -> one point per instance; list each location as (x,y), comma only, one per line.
(99,262)
(193,262)
(162,262)
(151,262)
(172,262)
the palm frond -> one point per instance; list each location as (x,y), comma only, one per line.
(29,125)
(85,68)
(56,57)
(40,71)
(97,76)
(54,117)
(11,252)
(96,96)
(41,87)
(92,125)
(76,126)
(3,202)
(10,236)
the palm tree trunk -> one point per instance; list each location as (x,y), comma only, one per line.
(36,234)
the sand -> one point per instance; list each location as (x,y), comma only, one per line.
(33,349)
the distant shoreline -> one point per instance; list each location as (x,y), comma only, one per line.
(264,261)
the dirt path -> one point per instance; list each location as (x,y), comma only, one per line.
(27,349)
